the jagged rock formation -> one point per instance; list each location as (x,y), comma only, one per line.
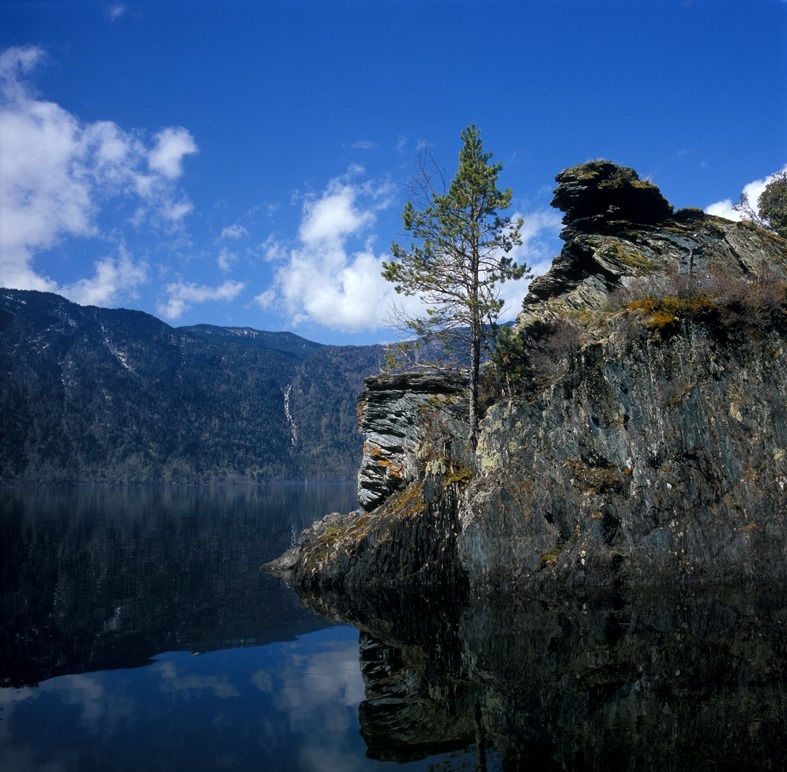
(639,439)
(654,451)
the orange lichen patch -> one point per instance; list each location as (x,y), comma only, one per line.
(384,462)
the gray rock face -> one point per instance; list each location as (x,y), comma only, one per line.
(391,413)
(642,437)
(651,462)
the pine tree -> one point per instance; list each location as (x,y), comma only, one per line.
(458,257)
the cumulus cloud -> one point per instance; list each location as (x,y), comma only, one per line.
(114,276)
(56,174)
(540,239)
(182,295)
(332,276)
(752,191)
(334,216)
(172,146)
(540,242)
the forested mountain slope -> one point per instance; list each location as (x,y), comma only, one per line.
(109,395)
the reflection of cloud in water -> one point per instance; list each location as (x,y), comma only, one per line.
(9,699)
(311,687)
(86,693)
(309,682)
(175,682)
(102,712)
(300,708)
(263,680)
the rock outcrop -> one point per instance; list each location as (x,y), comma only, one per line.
(639,438)
(393,413)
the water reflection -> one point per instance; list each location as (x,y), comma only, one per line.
(290,705)
(97,578)
(96,582)
(649,683)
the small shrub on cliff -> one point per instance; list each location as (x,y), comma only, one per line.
(731,299)
(524,364)
(551,354)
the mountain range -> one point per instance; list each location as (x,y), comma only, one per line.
(96,395)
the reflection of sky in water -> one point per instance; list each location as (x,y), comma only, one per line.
(291,705)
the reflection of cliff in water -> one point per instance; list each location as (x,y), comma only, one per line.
(98,578)
(663,683)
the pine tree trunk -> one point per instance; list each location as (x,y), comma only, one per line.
(475,367)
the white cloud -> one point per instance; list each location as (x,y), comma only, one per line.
(226,259)
(753,191)
(175,211)
(540,242)
(327,277)
(234,232)
(540,239)
(273,250)
(724,209)
(183,295)
(332,276)
(113,277)
(172,146)
(334,216)
(56,173)
(115,11)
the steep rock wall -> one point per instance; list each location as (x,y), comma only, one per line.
(650,448)
(654,460)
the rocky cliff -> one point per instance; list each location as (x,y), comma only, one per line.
(635,432)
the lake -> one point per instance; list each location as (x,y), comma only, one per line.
(138,632)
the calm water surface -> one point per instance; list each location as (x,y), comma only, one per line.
(138,632)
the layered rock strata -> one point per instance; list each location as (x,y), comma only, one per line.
(394,413)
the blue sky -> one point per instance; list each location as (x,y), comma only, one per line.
(246,163)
